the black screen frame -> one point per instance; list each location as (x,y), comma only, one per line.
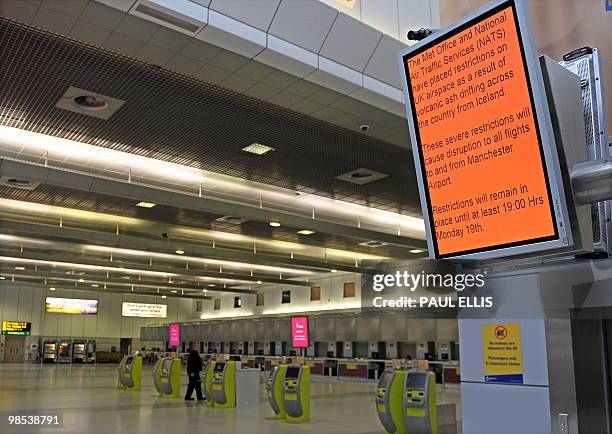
(410,98)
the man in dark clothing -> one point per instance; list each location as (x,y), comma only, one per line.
(194,367)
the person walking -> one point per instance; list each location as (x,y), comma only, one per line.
(194,367)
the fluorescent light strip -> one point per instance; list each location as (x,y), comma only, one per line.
(57,149)
(87,267)
(183,258)
(37,209)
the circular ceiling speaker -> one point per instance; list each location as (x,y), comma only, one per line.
(90,103)
(361,175)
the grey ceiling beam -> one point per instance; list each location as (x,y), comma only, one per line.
(125,189)
(180,272)
(160,246)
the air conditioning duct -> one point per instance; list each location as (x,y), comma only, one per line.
(181,15)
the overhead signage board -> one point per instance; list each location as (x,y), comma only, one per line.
(144,310)
(483,144)
(174,335)
(299,332)
(16,328)
(71,305)
(502,353)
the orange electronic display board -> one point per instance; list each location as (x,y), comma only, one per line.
(480,146)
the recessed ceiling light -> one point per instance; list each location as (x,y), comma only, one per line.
(163,296)
(174,291)
(257,149)
(146,204)
(179,251)
(333,270)
(81,280)
(2,277)
(205,291)
(259,282)
(275,224)
(95,285)
(19,267)
(305,232)
(211,284)
(372,243)
(415,251)
(51,289)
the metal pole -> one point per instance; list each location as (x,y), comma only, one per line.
(592,181)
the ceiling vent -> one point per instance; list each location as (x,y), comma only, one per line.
(89,103)
(183,16)
(361,176)
(373,243)
(15,182)
(233,220)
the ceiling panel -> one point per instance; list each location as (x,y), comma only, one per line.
(350,43)
(304,23)
(180,119)
(258,14)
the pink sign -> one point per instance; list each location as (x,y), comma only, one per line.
(174,335)
(299,332)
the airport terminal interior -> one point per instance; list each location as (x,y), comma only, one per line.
(319,216)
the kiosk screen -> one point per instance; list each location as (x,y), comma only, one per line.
(292,372)
(416,381)
(219,367)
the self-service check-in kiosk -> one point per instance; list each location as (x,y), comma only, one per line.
(167,377)
(274,392)
(296,393)
(389,402)
(130,373)
(420,402)
(207,383)
(223,385)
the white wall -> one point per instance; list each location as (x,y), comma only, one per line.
(332,291)
(392,17)
(22,303)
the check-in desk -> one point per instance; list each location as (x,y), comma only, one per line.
(353,370)
(451,374)
(330,367)
(316,366)
(247,362)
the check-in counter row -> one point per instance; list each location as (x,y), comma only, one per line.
(355,369)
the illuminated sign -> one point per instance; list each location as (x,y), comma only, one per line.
(16,328)
(299,332)
(174,335)
(483,143)
(144,310)
(71,305)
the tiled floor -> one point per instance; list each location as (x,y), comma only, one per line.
(90,402)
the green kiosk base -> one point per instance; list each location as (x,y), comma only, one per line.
(130,373)
(296,393)
(167,377)
(406,402)
(274,392)
(223,384)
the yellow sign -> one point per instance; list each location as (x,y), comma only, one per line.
(503,357)
(351,366)
(16,328)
